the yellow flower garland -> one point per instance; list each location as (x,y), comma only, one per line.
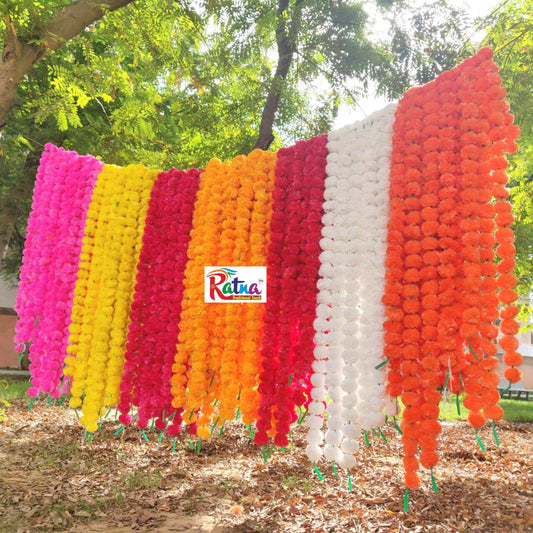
(87,288)
(116,247)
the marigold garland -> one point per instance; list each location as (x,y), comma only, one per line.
(154,319)
(440,299)
(63,189)
(349,338)
(441,251)
(112,265)
(292,267)
(229,223)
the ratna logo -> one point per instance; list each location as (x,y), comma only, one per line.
(235,284)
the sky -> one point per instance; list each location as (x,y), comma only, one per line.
(349,114)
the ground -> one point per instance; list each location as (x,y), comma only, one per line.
(52,480)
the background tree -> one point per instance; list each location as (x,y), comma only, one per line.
(171,85)
(510,34)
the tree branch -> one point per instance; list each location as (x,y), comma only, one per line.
(18,57)
(74,18)
(286,43)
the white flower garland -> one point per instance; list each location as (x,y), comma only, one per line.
(350,315)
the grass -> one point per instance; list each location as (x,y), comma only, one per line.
(142,479)
(514,410)
(294,482)
(12,388)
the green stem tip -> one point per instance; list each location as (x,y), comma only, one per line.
(382,364)
(318,473)
(433,482)
(495,434)
(479,441)
(406,501)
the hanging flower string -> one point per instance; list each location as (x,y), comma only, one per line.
(423,224)
(64,184)
(112,272)
(292,267)
(153,329)
(440,287)
(349,338)
(214,353)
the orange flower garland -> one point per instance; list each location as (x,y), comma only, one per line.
(448,163)
(230,228)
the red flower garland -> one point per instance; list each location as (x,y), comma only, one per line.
(292,268)
(154,327)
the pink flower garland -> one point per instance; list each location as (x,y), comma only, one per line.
(63,189)
(153,330)
(292,268)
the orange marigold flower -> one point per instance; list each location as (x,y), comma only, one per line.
(412,203)
(490,363)
(430,258)
(410,398)
(489,379)
(489,330)
(429,332)
(493,411)
(412,247)
(411,352)
(472,402)
(471,315)
(506,281)
(430,316)
(432,396)
(508,343)
(506,250)
(489,347)
(509,311)
(477,419)
(489,284)
(507,296)
(394,313)
(468,331)
(412,275)
(430,427)
(488,269)
(514,375)
(502,206)
(412,321)
(487,240)
(506,265)
(412,480)
(512,358)
(504,219)
(430,213)
(413,261)
(509,326)
(430,227)
(470,253)
(429,459)
(430,301)
(500,191)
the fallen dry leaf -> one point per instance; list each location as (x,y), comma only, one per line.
(52,480)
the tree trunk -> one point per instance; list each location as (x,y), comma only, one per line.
(286,42)
(19,57)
